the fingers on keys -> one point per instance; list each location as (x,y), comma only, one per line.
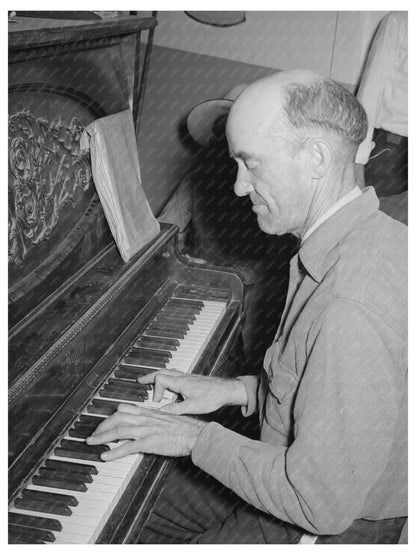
(162,380)
(150,378)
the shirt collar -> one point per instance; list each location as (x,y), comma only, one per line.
(315,250)
(351,195)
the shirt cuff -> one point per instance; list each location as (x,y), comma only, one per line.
(212,451)
(251,383)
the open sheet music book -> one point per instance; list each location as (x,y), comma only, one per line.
(116,172)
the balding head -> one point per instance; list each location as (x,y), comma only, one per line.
(299,103)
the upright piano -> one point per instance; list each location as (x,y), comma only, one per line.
(83,325)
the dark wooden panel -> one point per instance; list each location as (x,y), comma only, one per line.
(55,32)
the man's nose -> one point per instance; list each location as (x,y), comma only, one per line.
(242,186)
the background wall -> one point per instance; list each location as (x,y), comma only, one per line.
(192,62)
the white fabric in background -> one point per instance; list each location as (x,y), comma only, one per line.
(383,87)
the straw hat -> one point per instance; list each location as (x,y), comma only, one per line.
(202,117)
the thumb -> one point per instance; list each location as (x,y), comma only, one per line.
(186,407)
(163,382)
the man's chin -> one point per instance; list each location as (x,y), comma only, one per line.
(268,227)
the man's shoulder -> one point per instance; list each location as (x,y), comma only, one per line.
(371,267)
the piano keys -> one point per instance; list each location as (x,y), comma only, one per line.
(72,492)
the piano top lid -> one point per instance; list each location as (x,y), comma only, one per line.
(37,32)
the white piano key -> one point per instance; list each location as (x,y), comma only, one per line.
(72,537)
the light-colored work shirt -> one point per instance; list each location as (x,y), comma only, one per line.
(351,195)
(332,398)
(383,87)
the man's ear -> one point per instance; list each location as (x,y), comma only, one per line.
(320,154)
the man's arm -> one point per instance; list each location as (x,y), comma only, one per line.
(345,415)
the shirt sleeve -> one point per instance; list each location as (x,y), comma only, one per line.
(345,416)
(380,63)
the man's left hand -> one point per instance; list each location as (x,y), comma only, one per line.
(147,431)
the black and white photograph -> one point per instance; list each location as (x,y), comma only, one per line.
(208,275)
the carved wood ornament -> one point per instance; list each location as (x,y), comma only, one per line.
(47,171)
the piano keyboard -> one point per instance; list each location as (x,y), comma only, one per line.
(72,494)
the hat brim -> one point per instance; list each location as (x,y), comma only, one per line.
(201,119)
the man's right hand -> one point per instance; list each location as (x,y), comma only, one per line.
(201,394)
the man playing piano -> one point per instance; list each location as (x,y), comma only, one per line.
(330,465)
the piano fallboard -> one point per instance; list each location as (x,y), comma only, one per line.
(93,322)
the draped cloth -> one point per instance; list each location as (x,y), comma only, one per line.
(115,167)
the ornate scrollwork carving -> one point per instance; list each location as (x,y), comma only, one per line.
(46,169)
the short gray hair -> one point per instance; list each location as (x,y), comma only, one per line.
(324,104)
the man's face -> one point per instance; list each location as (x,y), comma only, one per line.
(270,171)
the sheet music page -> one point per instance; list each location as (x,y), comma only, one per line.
(116,172)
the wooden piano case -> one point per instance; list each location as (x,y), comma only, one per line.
(74,306)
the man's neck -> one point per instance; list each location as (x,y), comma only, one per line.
(327,193)
(346,199)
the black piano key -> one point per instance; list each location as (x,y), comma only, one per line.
(60,452)
(140,354)
(130,374)
(200,293)
(157,343)
(183,304)
(122,394)
(72,449)
(42,507)
(99,406)
(13,540)
(70,475)
(175,312)
(163,333)
(132,360)
(164,318)
(33,521)
(177,317)
(129,384)
(178,328)
(50,497)
(145,359)
(82,447)
(135,370)
(65,465)
(81,433)
(164,355)
(191,303)
(88,419)
(28,535)
(58,484)
(218,294)
(100,410)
